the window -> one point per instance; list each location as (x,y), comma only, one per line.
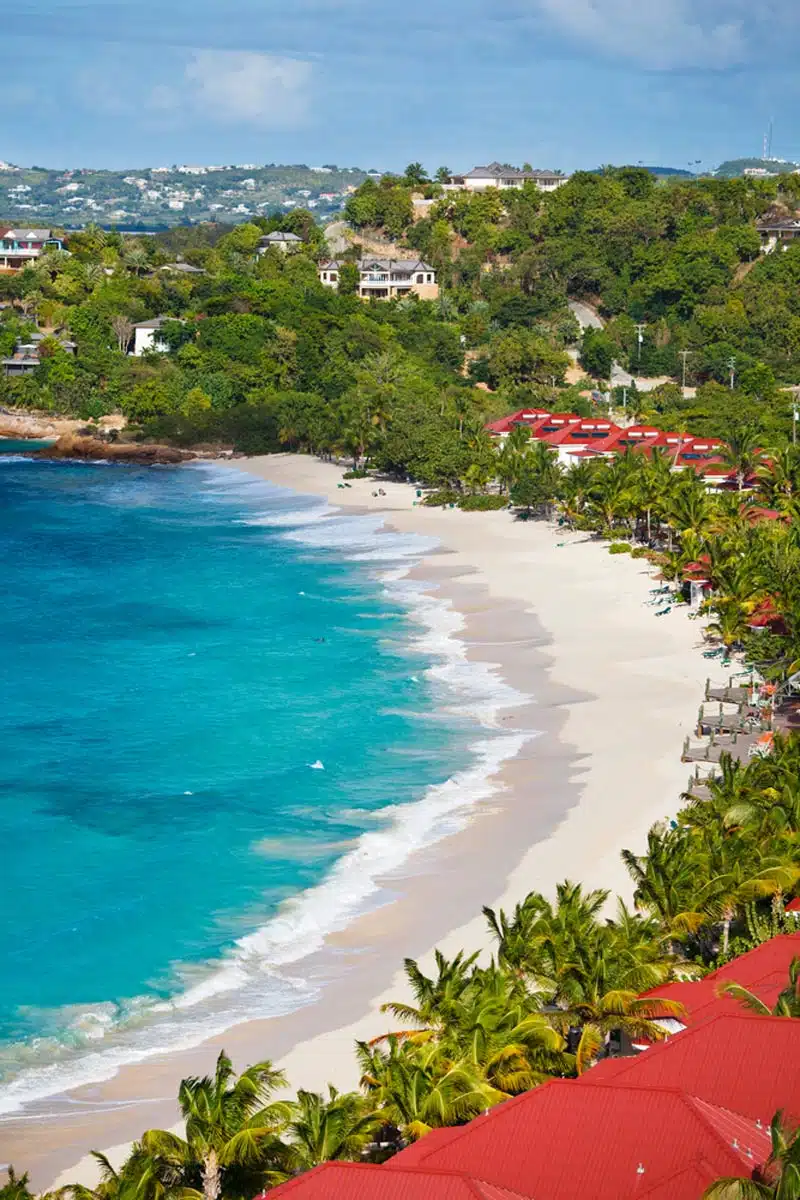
(429,279)
(334,277)
(324,274)
(420,279)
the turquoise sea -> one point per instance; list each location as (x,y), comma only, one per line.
(226,716)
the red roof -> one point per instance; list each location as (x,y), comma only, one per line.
(619,1138)
(765,614)
(691,1181)
(764,971)
(793,905)
(436,1138)
(523,416)
(358,1181)
(707,1061)
(753,513)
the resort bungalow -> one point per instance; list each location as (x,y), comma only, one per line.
(524,416)
(496,175)
(21,247)
(660,1124)
(386,278)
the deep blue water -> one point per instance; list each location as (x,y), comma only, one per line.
(178,648)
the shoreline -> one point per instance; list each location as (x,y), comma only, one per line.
(563,806)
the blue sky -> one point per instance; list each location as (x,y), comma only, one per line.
(558,83)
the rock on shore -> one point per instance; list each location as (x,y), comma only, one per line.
(70,446)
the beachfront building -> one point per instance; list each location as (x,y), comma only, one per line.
(278,240)
(19,248)
(660,1124)
(386,278)
(499,175)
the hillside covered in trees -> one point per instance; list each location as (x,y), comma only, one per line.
(263,356)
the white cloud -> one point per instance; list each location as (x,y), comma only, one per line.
(662,34)
(234,87)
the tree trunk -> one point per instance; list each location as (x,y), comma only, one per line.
(726,932)
(212,1177)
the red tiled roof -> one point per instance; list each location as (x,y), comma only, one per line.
(764,971)
(358,1181)
(793,905)
(707,1060)
(561,1141)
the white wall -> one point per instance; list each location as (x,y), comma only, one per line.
(146,339)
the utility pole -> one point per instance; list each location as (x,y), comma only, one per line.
(640,338)
(795,415)
(732,369)
(684,355)
(624,403)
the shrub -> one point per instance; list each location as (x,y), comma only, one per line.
(640,552)
(482,503)
(619,548)
(356,473)
(441,498)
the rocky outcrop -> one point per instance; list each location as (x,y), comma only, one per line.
(70,446)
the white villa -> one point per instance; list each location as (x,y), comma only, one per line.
(386,278)
(479,179)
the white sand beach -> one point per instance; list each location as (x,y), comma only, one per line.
(614,691)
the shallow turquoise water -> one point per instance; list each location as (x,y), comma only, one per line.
(208,695)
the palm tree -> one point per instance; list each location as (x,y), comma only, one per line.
(335,1128)
(742,452)
(232,1140)
(779,477)
(787,1004)
(107,1189)
(420,1088)
(666,880)
(777,1179)
(437,999)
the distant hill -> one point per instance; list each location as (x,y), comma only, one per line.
(670,171)
(160,197)
(735,167)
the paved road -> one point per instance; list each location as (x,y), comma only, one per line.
(588,318)
(585,315)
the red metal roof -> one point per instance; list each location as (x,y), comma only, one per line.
(691,1183)
(707,1061)
(764,971)
(561,1141)
(436,1138)
(358,1181)
(523,416)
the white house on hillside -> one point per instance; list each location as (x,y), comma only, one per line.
(479,179)
(386,278)
(145,336)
